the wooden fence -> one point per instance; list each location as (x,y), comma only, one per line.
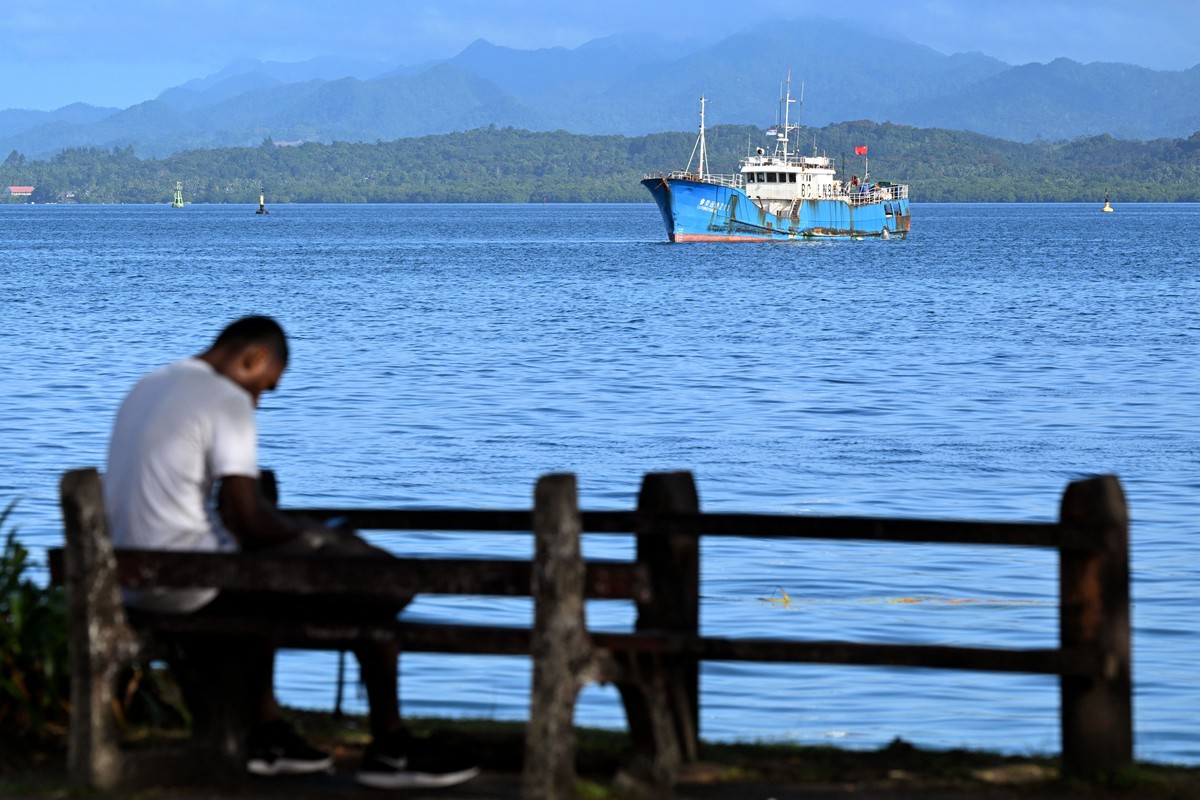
(1091,536)
(656,666)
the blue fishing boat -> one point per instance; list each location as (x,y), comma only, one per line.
(781,195)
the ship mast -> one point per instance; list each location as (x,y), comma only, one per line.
(700,145)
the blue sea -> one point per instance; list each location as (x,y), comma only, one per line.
(447,355)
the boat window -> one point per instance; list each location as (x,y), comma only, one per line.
(750,177)
(771,177)
(791,177)
(762,177)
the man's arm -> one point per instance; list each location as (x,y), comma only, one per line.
(250,518)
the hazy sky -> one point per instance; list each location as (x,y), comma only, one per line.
(104,52)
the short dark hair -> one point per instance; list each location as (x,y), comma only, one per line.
(255,330)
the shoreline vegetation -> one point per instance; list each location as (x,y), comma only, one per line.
(507,165)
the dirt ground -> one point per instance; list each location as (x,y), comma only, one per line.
(725,772)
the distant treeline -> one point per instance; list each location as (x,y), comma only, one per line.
(505,165)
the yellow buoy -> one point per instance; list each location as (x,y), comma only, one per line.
(780,595)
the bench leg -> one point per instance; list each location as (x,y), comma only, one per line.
(563,657)
(660,726)
(101,642)
(98,634)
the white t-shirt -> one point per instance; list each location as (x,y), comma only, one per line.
(180,429)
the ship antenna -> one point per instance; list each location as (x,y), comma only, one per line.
(781,107)
(787,126)
(799,117)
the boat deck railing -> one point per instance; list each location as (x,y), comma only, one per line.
(856,196)
(730,181)
(875,194)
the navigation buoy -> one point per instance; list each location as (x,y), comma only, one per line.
(262,206)
(1107,207)
(177,200)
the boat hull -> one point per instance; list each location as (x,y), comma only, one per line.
(698,211)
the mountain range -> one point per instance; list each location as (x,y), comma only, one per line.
(632,85)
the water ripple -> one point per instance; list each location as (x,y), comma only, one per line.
(970,371)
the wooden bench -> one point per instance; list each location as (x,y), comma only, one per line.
(655,667)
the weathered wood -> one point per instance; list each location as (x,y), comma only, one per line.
(1097,709)
(101,642)
(652,690)
(562,654)
(655,667)
(430,637)
(472,520)
(364,576)
(667,643)
(661,692)
(422,637)
(99,638)
(1033,534)
(939,531)
(425,519)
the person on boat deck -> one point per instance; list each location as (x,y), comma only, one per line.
(188,428)
(853,180)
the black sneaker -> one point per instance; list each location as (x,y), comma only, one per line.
(275,748)
(413,763)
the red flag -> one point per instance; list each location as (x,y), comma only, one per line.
(861,150)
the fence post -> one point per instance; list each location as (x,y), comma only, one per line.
(1097,710)
(671,553)
(98,636)
(560,646)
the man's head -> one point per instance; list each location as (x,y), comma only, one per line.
(251,352)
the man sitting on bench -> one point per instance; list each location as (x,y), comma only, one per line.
(189,427)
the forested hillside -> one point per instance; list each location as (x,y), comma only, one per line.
(633,85)
(501,165)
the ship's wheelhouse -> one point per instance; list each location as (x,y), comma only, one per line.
(772,182)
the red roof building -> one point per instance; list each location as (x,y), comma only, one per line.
(19,191)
